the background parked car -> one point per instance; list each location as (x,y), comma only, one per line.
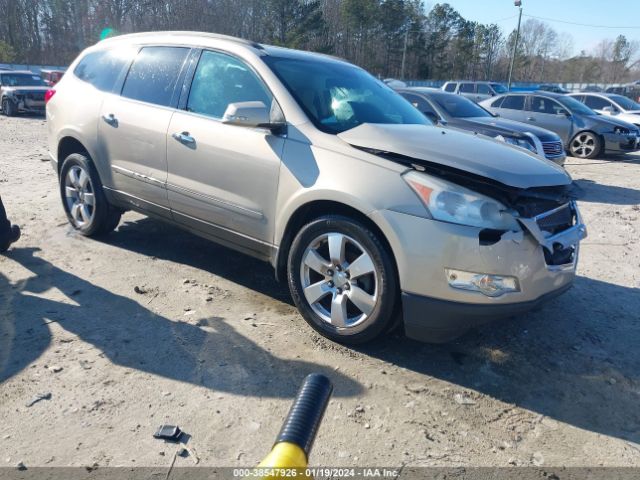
(476,91)
(585,134)
(592,88)
(552,88)
(631,91)
(456,111)
(21,91)
(51,77)
(622,108)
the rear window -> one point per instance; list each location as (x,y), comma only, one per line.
(450,87)
(154,74)
(513,102)
(102,69)
(497,103)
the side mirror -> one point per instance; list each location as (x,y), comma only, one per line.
(252,114)
(609,110)
(564,113)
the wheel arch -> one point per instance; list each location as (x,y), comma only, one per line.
(315,209)
(68,145)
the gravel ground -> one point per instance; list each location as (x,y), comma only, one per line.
(209,341)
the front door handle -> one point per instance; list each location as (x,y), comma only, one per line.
(531,119)
(110,119)
(184,138)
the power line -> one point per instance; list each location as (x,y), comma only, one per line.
(579,24)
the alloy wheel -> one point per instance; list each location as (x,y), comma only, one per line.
(339,280)
(79,196)
(583,145)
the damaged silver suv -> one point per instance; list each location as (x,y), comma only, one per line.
(369,212)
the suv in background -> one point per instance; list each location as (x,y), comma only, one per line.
(21,91)
(584,133)
(552,88)
(51,77)
(476,91)
(310,163)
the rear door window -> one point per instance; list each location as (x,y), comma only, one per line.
(484,89)
(153,76)
(467,88)
(102,69)
(450,87)
(513,102)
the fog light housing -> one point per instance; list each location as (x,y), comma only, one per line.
(485,283)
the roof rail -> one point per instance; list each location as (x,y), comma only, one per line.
(180,33)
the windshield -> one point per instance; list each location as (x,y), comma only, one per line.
(499,88)
(458,106)
(625,103)
(575,106)
(338,96)
(21,80)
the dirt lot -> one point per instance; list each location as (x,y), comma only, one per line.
(214,345)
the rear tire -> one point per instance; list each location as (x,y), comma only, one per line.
(83,199)
(585,145)
(343,280)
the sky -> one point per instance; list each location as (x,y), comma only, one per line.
(614,13)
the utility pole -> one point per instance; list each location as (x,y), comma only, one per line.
(517,3)
(404,53)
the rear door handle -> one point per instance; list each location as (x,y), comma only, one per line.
(531,119)
(184,138)
(110,119)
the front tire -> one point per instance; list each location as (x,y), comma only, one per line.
(9,108)
(585,145)
(83,199)
(342,279)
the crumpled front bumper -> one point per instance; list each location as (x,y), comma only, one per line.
(423,248)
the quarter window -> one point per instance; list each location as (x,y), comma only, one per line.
(220,80)
(513,102)
(450,87)
(102,69)
(154,73)
(484,89)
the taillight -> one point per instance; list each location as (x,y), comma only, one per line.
(48,95)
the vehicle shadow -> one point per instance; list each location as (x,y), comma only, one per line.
(585,340)
(575,360)
(211,353)
(155,238)
(590,191)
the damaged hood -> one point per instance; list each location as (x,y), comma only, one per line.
(461,151)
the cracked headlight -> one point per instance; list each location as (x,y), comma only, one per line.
(452,203)
(518,142)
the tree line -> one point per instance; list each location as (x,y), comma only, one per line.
(390,38)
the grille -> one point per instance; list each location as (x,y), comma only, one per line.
(557,221)
(552,149)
